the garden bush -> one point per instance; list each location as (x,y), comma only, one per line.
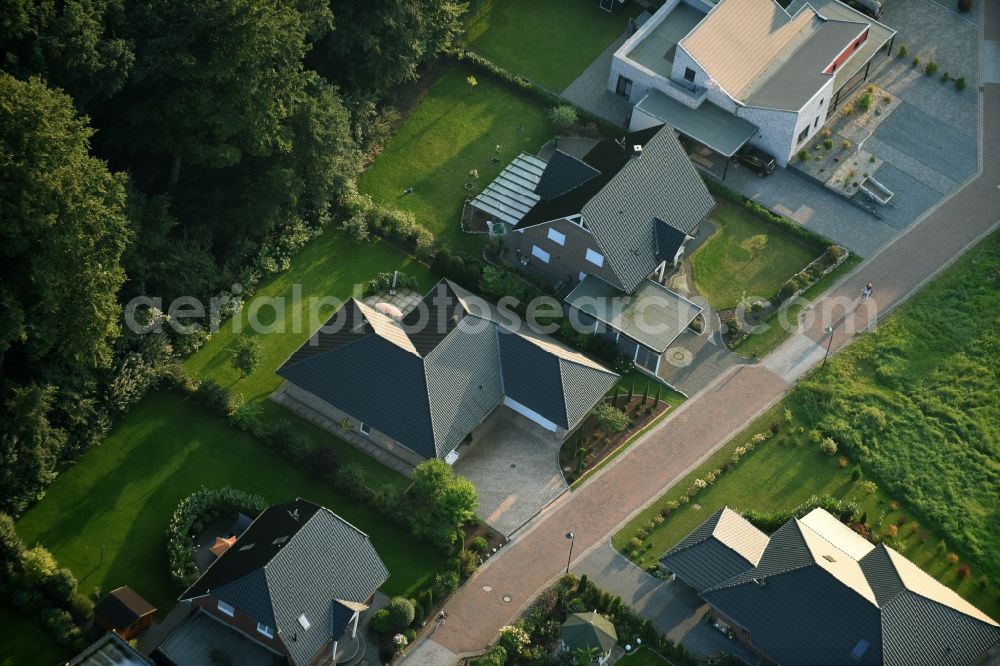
(931,68)
(611,420)
(444,583)
(382,621)
(964,5)
(902,51)
(865,102)
(563,117)
(846,511)
(467,563)
(495,656)
(351,479)
(190,517)
(478,545)
(382,282)
(960,84)
(828,446)
(401,612)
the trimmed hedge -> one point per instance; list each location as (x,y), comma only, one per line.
(846,511)
(190,517)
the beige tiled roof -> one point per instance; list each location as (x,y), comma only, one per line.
(739,39)
(836,562)
(840,535)
(739,534)
(919,582)
(387,328)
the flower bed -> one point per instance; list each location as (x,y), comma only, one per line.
(589,446)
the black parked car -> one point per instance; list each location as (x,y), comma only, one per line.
(755,158)
(872,8)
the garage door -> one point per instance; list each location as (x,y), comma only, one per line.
(531,414)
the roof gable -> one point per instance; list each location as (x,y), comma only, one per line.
(669,240)
(662,184)
(719,549)
(531,376)
(562,174)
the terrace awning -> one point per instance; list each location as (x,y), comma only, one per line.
(653,315)
(512,194)
(707,124)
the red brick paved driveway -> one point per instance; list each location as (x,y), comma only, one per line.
(710,418)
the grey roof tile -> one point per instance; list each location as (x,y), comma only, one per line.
(583,386)
(562,174)
(719,549)
(532,377)
(304,559)
(659,184)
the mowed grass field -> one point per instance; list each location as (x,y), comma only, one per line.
(916,405)
(455,129)
(550,42)
(121,494)
(747,256)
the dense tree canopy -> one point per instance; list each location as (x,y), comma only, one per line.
(168,148)
(63,233)
(378,44)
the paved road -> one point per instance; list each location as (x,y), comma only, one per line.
(709,419)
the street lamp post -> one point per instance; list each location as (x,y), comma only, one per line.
(829,342)
(571,537)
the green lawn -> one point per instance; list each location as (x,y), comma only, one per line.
(781,474)
(121,494)
(918,402)
(758,345)
(550,42)
(728,266)
(643,657)
(930,372)
(455,129)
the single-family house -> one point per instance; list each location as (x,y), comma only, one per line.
(415,386)
(602,225)
(816,592)
(290,590)
(733,72)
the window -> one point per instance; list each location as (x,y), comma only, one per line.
(557,237)
(226,609)
(821,102)
(540,253)
(595,258)
(859,649)
(365,429)
(624,87)
(803,134)
(304,622)
(689,74)
(816,122)
(266,630)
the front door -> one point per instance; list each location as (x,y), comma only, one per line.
(624,87)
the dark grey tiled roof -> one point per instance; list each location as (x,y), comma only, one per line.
(303,560)
(661,183)
(583,386)
(562,174)
(376,381)
(668,240)
(532,377)
(802,616)
(428,384)
(709,556)
(815,598)
(195,639)
(463,381)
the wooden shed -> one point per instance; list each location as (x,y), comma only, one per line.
(124,612)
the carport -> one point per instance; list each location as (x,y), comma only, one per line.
(721,132)
(514,464)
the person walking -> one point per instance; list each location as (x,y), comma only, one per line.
(867,291)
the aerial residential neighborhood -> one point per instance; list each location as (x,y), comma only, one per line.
(488,332)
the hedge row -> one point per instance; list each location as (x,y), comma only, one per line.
(191,516)
(522,85)
(846,511)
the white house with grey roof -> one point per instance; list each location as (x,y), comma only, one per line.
(746,71)
(290,590)
(417,386)
(816,592)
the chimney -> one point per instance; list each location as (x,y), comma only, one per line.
(636,150)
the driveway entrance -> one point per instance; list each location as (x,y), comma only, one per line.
(514,464)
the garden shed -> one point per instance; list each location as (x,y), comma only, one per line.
(124,612)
